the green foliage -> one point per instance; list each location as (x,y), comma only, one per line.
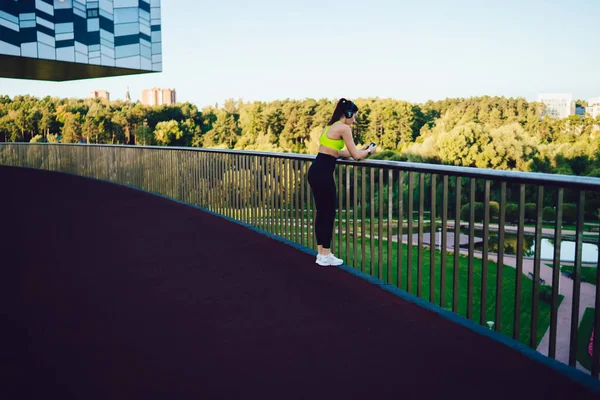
(546,293)
(548,214)
(530,212)
(512,212)
(37,139)
(483,132)
(569,213)
(479,212)
(494,210)
(167,133)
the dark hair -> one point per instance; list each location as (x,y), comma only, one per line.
(341,108)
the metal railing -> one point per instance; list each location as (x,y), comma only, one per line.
(398,222)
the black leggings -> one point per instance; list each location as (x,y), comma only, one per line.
(320,178)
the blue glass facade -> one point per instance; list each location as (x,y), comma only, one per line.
(113,37)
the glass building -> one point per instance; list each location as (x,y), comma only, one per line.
(75,39)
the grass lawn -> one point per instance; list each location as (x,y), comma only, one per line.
(588,274)
(583,341)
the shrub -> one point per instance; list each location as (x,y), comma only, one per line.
(479,212)
(548,214)
(569,213)
(530,211)
(494,210)
(512,212)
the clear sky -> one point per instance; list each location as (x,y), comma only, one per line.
(407,50)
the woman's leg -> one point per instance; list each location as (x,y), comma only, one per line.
(325,198)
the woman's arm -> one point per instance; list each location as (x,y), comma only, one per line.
(352,151)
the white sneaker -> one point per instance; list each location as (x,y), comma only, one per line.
(328,260)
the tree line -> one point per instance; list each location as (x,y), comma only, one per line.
(484,132)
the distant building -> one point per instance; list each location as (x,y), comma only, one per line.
(593,108)
(558,105)
(127,95)
(100,94)
(158,97)
(580,110)
(60,40)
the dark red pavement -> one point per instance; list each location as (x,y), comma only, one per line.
(112,293)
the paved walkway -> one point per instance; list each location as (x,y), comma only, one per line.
(112,293)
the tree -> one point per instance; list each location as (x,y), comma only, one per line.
(71,128)
(144,135)
(166,133)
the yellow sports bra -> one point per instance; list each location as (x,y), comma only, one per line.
(335,144)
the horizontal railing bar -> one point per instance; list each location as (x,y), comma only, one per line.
(566,181)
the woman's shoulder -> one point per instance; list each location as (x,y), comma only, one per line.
(341,129)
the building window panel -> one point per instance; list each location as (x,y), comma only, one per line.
(156,48)
(107,36)
(82,48)
(129,62)
(10,25)
(154,3)
(127,29)
(126,15)
(29,49)
(80,13)
(106,15)
(45,23)
(93,25)
(146,52)
(10,49)
(146,64)
(145,29)
(64,27)
(127,51)
(45,7)
(27,17)
(157,67)
(157,58)
(106,5)
(27,24)
(145,15)
(107,51)
(107,44)
(155,13)
(65,36)
(156,37)
(93,4)
(58,4)
(81,58)
(107,61)
(46,39)
(126,3)
(65,54)
(46,52)
(9,17)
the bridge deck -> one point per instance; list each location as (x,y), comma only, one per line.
(112,293)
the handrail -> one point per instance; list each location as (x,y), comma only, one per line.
(565,181)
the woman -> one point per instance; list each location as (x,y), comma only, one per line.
(320,175)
